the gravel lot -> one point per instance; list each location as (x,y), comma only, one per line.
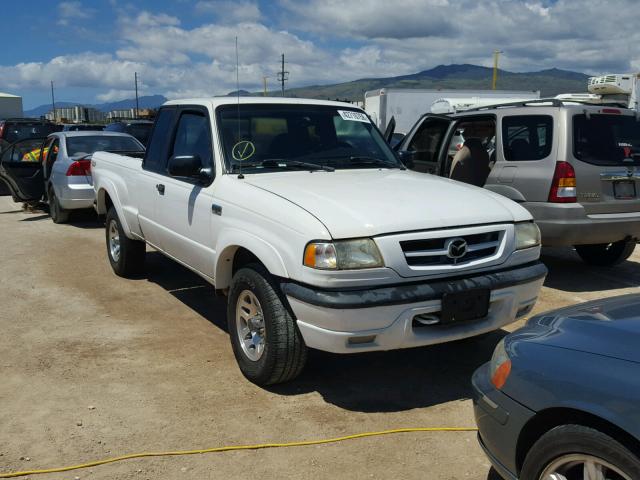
(152,358)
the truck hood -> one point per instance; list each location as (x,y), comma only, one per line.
(366,203)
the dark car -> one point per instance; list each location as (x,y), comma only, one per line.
(560,398)
(15,129)
(137,128)
(82,127)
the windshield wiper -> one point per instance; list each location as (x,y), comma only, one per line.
(282,163)
(365,160)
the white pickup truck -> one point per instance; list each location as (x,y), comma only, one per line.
(301,214)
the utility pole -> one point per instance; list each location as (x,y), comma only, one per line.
(496,54)
(135,79)
(264,85)
(283,76)
(53,103)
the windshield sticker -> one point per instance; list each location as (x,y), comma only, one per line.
(353,116)
(243,150)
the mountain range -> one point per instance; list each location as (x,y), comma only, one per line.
(148,101)
(550,82)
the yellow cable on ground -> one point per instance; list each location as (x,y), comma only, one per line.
(236,447)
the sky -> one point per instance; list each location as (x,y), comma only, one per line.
(186,48)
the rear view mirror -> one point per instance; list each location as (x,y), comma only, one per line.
(189,166)
(406,157)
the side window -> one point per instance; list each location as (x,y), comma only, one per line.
(156,157)
(426,143)
(527,137)
(471,153)
(193,137)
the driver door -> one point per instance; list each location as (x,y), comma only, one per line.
(21,169)
(421,149)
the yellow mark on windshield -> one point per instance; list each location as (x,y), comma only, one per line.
(243,150)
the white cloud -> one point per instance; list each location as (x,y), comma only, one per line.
(329,41)
(228,11)
(70,11)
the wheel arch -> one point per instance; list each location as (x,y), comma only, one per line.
(548,419)
(242,248)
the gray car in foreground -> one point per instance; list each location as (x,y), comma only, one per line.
(560,398)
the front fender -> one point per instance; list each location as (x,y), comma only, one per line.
(230,240)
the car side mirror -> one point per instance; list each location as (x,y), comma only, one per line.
(406,157)
(189,166)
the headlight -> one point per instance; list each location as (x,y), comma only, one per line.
(343,255)
(500,366)
(527,235)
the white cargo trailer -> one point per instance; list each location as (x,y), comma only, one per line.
(10,106)
(406,105)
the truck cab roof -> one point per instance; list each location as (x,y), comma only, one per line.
(215,102)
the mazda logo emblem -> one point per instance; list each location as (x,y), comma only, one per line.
(456,248)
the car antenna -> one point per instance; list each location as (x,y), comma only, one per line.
(240,175)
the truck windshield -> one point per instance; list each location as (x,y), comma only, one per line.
(606,139)
(271,137)
(87,144)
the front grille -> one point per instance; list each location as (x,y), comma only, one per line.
(437,251)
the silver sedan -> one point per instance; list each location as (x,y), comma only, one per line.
(66,167)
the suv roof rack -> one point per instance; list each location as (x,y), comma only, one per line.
(554,102)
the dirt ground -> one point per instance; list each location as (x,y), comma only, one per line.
(93,366)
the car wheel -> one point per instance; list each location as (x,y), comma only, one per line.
(266,341)
(126,256)
(574,451)
(56,212)
(606,254)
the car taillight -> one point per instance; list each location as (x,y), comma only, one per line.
(563,187)
(79,167)
(1,129)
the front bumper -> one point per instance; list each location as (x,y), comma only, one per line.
(568,224)
(500,420)
(350,321)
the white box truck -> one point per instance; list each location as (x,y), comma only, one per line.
(406,105)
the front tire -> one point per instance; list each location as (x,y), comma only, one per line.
(56,212)
(266,341)
(606,254)
(568,451)
(126,256)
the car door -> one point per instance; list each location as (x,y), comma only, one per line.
(21,169)
(148,184)
(185,206)
(421,149)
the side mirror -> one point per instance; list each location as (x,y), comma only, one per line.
(406,157)
(396,140)
(189,166)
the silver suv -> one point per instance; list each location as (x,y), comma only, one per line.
(575,167)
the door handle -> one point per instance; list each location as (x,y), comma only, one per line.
(160,188)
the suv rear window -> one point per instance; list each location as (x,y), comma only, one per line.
(527,137)
(606,139)
(14,132)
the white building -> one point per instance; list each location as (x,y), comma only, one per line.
(76,114)
(124,114)
(10,106)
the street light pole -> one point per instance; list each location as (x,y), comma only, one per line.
(135,76)
(53,103)
(496,54)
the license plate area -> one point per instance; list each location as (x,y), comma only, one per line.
(624,189)
(464,306)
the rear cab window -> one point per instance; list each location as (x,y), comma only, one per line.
(527,137)
(606,139)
